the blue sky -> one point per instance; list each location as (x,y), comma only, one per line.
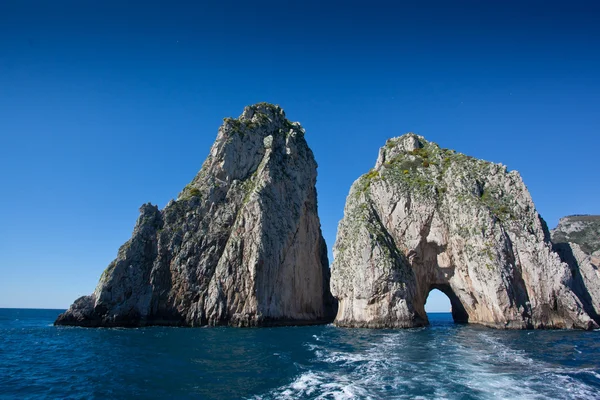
(106,105)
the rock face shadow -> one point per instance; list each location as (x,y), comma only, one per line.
(586,289)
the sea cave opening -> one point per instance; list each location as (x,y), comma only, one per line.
(441,304)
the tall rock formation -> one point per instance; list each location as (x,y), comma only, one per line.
(240,246)
(427,217)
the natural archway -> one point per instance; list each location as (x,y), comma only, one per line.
(459,314)
(437,302)
(437,308)
(440,298)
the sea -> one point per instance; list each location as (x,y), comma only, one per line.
(442,361)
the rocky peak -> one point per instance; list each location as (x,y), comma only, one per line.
(243,143)
(261,110)
(150,217)
(395,147)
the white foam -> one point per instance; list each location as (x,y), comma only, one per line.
(475,365)
(527,379)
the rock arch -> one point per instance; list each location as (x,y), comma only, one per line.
(428,217)
(459,313)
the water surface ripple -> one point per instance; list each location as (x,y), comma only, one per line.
(38,360)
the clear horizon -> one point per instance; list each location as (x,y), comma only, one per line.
(104,107)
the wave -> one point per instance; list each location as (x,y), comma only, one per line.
(472,364)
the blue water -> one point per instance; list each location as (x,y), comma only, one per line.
(38,360)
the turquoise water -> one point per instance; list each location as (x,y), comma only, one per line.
(38,360)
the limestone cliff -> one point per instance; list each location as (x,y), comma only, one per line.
(585,275)
(427,217)
(240,246)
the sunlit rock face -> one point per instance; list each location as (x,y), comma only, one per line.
(240,246)
(426,217)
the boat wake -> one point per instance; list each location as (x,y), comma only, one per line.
(466,364)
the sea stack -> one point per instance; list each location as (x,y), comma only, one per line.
(241,245)
(427,217)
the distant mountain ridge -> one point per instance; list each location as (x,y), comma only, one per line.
(583,230)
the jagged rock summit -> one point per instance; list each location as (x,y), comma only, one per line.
(240,246)
(427,217)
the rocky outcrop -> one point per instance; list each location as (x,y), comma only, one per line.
(581,229)
(427,217)
(240,246)
(585,275)
(577,240)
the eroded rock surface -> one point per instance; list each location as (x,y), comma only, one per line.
(240,246)
(427,217)
(577,240)
(585,275)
